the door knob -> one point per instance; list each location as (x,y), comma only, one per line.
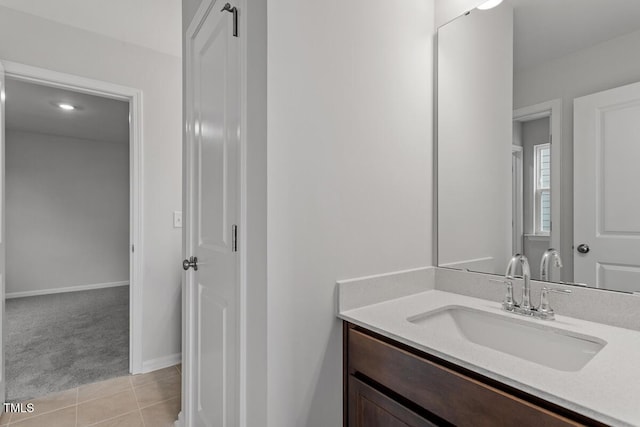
(583,248)
(192,262)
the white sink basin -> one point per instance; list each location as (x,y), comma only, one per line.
(526,339)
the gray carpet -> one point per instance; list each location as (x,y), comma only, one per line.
(60,341)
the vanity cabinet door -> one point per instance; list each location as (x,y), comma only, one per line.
(444,392)
(370,408)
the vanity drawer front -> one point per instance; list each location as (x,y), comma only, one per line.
(448,394)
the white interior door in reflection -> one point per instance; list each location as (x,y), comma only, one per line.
(606,196)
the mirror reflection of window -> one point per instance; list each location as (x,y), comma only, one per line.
(542,189)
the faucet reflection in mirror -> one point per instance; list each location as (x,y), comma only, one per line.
(549,254)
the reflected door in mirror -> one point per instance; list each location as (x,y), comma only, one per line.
(607,199)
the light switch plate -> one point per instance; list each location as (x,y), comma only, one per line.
(177,219)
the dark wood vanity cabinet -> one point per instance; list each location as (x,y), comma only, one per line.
(388,384)
(372,408)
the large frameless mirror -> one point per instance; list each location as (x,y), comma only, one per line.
(539,140)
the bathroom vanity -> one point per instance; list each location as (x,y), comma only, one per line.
(466,343)
(391,384)
(434,346)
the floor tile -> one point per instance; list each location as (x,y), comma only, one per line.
(162,414)
(140,379)
(47,404)
(132,419)
(179,367)
(105,408)
(103,388)
(158,391)
(60,418)
(5,418)
(111,403)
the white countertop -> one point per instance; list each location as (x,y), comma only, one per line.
(606,389)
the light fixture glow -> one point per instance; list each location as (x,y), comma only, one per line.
(490,4)
(66,107)
(2,95)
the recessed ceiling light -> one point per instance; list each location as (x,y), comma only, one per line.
(490,4)
(66,107)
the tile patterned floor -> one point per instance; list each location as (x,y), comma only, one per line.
(146,400)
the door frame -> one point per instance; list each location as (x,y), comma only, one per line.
(132,96)
(553,110)
(517,202)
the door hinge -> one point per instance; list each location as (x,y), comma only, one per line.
(234,238)
(132,249)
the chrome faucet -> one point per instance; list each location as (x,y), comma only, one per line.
(526,277)
(544,311)
(549,254)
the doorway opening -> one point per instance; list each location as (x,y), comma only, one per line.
(72,176)
(536,182)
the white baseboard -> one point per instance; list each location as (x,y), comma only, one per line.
(161,362)
(180,421)
(66,289)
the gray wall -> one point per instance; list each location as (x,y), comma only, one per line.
(67,212)
(349,179)
(474,140)
(591,70)
(69,50)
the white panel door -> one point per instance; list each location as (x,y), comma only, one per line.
(2,235)
(606,195)
(212,171)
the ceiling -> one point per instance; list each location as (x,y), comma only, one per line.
(154,24)
(33,108)
(550,29)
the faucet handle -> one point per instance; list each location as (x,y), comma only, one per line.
(545,309)
(508,302)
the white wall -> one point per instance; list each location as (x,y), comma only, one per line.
(447,10)
(349,179)
(67,212)
(591,70)
(475,69)
(33,41)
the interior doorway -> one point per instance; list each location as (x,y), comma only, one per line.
(537,187)
(127,104)
(517,202)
